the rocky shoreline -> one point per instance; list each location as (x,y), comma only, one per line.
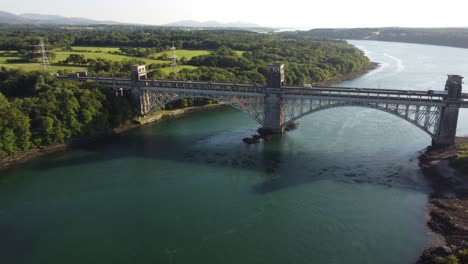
(448,206)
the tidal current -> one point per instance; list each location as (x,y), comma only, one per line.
(343,188)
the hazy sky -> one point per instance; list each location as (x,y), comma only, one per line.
(289,13)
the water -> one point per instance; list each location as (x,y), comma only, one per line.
(413,67)
(343,188)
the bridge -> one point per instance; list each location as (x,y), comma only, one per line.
(275,105)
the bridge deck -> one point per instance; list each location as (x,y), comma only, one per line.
(324,92)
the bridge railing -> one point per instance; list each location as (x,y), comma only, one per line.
(316,91)
(375,94)
(212,86)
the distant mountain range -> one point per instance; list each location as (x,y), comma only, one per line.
(208,24)
(36,19)
(41,19)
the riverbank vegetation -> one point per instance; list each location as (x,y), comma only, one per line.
(460,161)
(37,109)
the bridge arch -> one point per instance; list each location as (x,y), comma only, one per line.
(253,106)
(422,116)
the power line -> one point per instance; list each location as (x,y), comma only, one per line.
(45,59)
(174,61)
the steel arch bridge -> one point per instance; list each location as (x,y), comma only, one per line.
(424,116)
(274,106)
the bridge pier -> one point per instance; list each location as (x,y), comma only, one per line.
(140,98)
(273,111)
(273,108)
(447,125)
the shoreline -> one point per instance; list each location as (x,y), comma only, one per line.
(25,156)
(346,77)
(447,206)
(30,154)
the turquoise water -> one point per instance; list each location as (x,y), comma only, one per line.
(343,188)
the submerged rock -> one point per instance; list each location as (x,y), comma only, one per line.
(291,126)
(251,140)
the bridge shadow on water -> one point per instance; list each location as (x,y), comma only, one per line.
(278,165)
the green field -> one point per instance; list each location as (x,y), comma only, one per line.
(180,53)
(192,53)
(38,66)
(168,70)
(185,53)
(61,55)
(2,52)
(239,52)
(95,49)
(103,52)
(4,59)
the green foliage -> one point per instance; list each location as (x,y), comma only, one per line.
(460,256)
(461,161)
(451,259)
(14,128)
(188,102)
(56,110)
(453,37)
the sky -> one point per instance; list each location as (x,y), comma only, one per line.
(284,14)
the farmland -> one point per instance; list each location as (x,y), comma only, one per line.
(107,53)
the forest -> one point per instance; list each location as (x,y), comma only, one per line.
(37,109)
(451,37)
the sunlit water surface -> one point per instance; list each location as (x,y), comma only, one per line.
(343,188)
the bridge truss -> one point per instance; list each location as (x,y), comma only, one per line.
(423,116)
(417,107)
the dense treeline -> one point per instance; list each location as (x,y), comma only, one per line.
(452,37)
(306,61)
(41,110)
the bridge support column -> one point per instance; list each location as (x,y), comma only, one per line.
(447,125)
(137,99)
(273,104)
(140,97)
(273,111)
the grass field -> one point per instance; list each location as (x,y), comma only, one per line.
(168,70)
(60,56)
(95,49)
(192,53)
(2,52)
(38,66)
(103,52)
(4,59)
(185,53)
(239,52)
(180,53)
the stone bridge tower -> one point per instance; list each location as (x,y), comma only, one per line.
(447,127)
(273,106)
(138,73)
(141,99)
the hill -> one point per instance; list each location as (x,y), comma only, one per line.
(209,24)
(38,19)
